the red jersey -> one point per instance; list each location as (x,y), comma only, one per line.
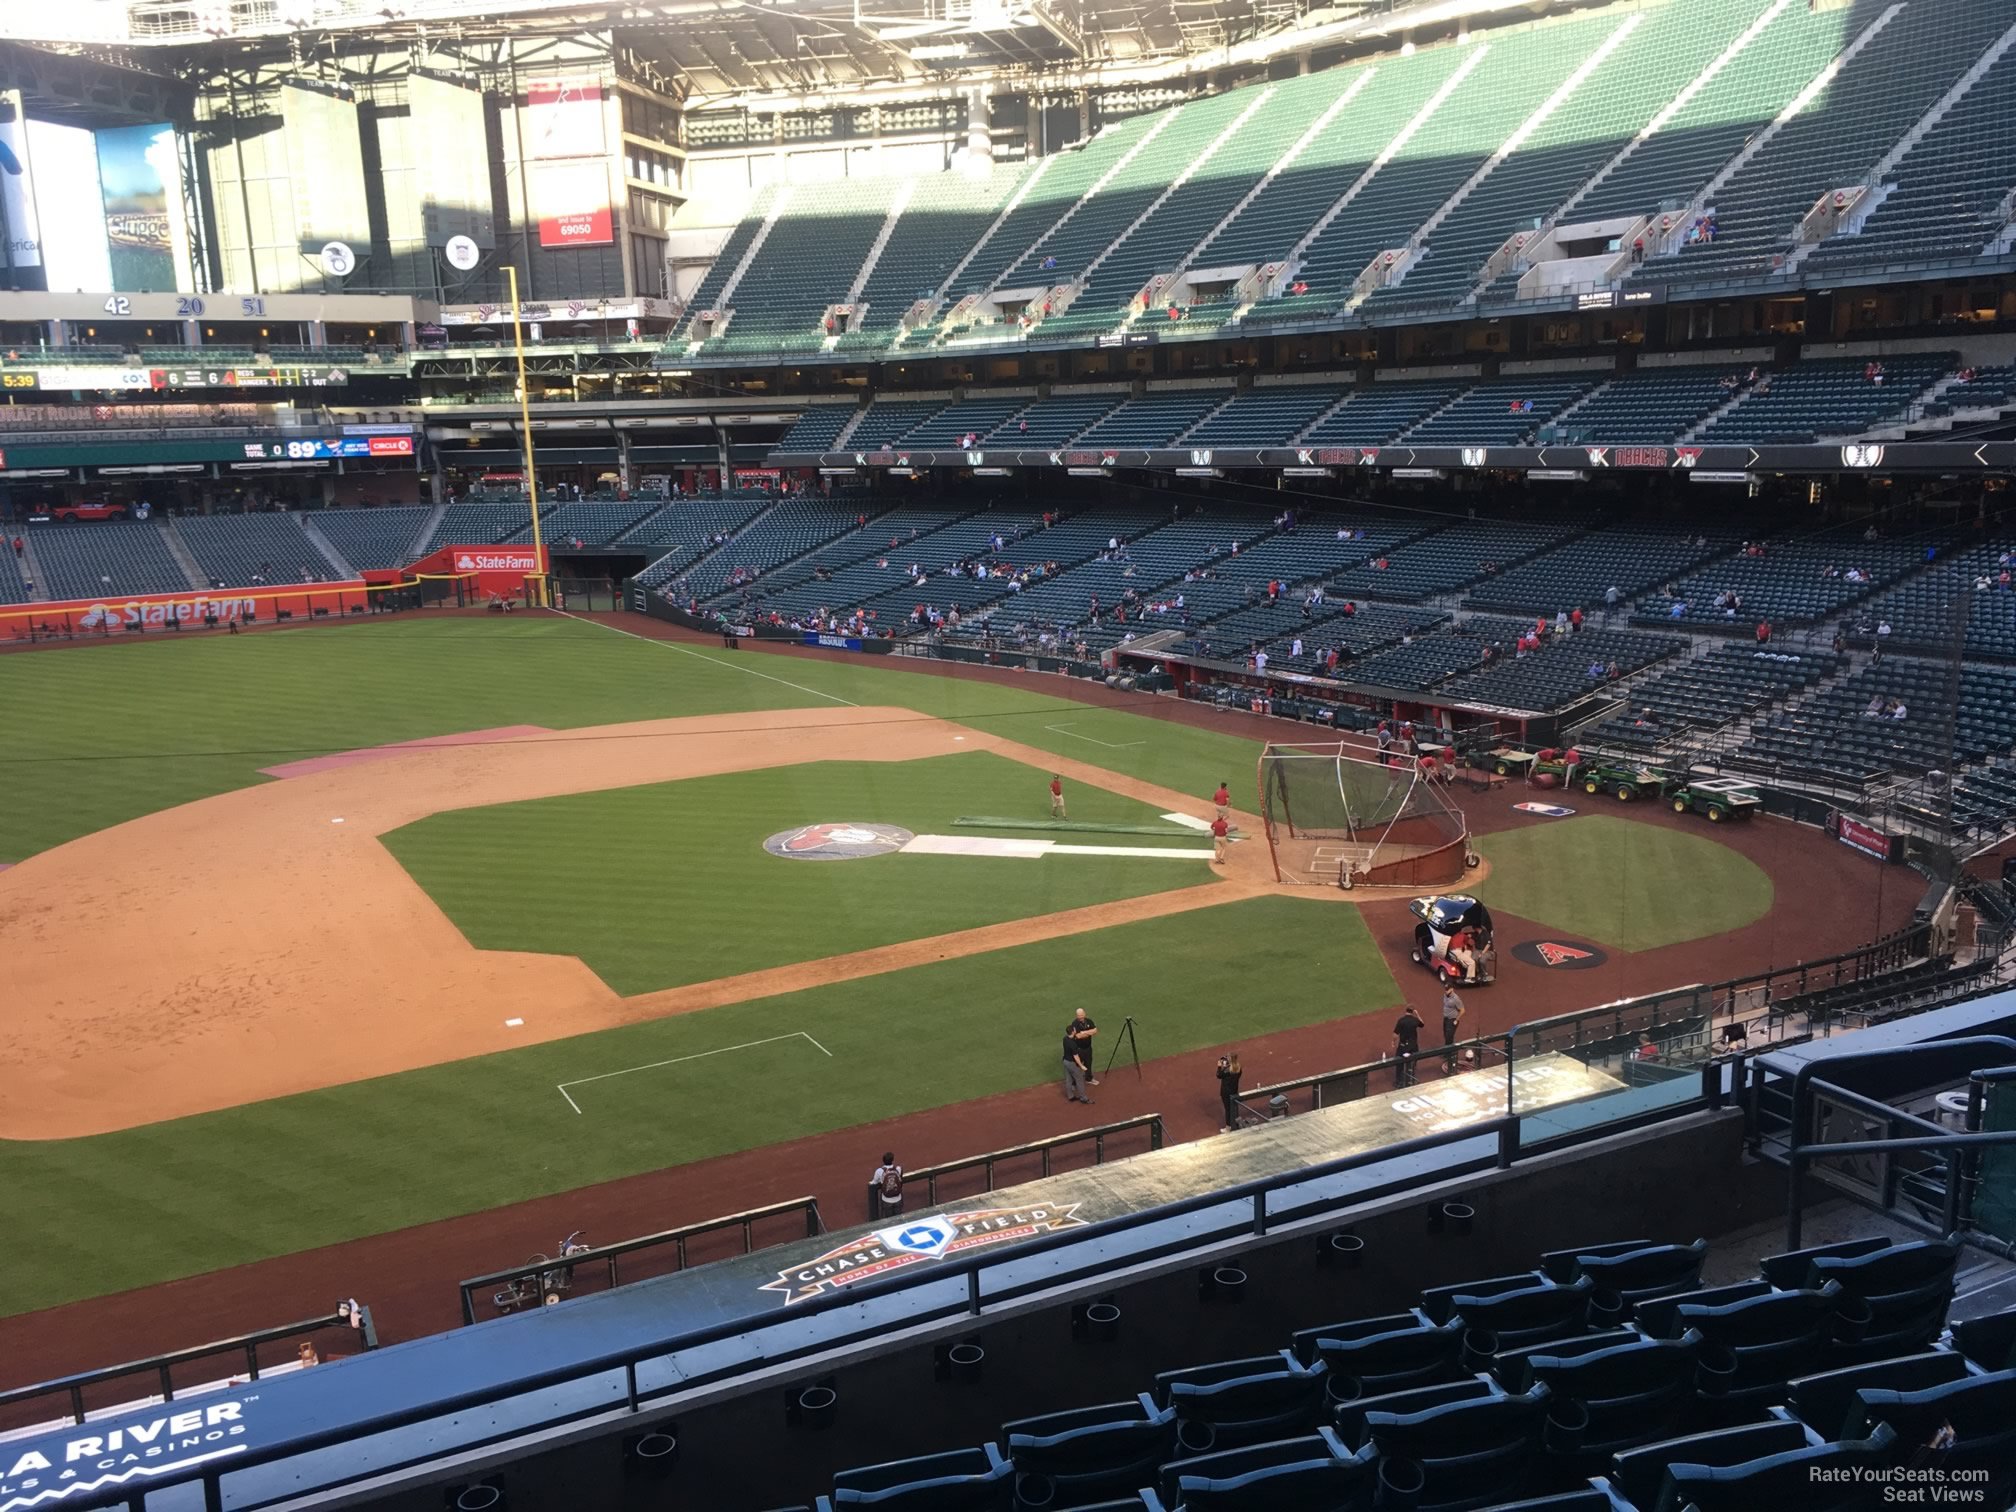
(1220,828)
(1056,788)
(1221,797)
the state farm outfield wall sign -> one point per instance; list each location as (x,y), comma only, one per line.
(41,1472)
(495,559)
(837,841)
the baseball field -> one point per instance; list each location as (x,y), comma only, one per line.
(316,935)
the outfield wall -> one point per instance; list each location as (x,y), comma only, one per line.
(140,612)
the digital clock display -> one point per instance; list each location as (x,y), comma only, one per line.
(19,381)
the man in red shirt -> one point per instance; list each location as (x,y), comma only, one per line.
(1056,796)
(1575,618)
(1220,839)
(1223,798)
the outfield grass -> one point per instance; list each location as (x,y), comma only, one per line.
(108,733)
(1620,883)
(665,884)
(292,1173)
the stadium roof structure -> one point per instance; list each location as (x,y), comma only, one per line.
(732,51)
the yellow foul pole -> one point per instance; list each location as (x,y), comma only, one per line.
(525,428)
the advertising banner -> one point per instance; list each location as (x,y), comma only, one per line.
(495,569)
(319,448)
(17,192)
(135,166)
(153,611)
(1856,835)
(563,119)
(571,201)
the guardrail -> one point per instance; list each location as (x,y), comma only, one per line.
(1249,1214)
(1618,1023)
(162,1366)
(1043,1148)
(549,1277)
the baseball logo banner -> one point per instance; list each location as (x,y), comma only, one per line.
(1560,955)
(915,1241)
(1551,810)
(845,841)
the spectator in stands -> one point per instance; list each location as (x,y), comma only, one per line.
(20,548)
(1595,671)
(1384,737)
(1735,1037)
(1678,611)
(1763,632)
(1229,1072)
(1575,618)
(1646,1049)
(888,1186)
(1406,1045)
(1560,621)
(1882,628)
(1610,598)
(1900,712)
(306,1355)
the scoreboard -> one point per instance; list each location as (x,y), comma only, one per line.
(321,448)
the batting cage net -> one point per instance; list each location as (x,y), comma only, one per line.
(1339,816)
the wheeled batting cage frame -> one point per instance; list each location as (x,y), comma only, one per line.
(1339,816)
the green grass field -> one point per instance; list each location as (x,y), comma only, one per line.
(1626,885)
(108,733)
(699,897)
(248,1183)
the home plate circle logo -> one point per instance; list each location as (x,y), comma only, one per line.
(837,842)
(1559,955)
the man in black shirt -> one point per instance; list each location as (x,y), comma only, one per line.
(1078,1034)
(1406,1045)
(1074,1070)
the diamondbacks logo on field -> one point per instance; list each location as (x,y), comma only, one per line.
(1559,955)
(837,842)
(1551,810)
(916,1240)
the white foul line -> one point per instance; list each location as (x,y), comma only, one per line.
(1065,729)
(582,1081)
(701,655)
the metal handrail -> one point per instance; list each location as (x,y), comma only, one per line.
(1536,1036)
(929,1175)
(609,1254)
(972,1267)
(162,1365)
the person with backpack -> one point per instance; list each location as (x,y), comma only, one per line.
(887,1184)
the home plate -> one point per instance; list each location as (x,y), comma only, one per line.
(1032,850)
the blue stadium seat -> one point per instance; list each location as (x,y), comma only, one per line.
(1064,1457)
(961,1480)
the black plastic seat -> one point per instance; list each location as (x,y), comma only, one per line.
(1640,1473)
(1826,1402)
(961,1480)
(1390,1361)
(1548,1310)
(1243,1401)
(1981,1411)
(1317,1473)
(1459,1453)
(1631,1393)
(1064,1457)
(1818,1478)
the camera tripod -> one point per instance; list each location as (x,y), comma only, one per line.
(1126,1034)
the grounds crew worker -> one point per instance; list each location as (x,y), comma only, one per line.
(1220,839)
(1056,795)
(1223,798)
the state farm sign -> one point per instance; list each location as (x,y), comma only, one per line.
(494,559)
